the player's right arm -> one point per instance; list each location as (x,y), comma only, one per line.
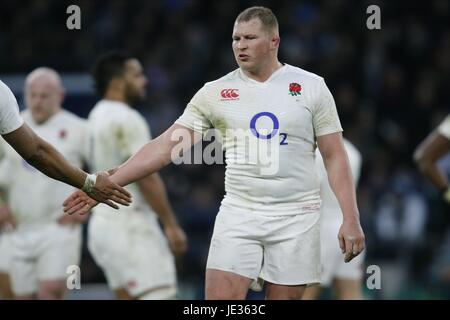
(426,156)
(151,158)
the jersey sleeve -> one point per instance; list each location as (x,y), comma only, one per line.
(196,114)
(10,118)
(444,127)
(132,136)
(325,116)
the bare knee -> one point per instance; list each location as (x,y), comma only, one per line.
(283,292)
(222,285)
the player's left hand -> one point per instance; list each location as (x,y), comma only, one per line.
(177,239)
(351,239)
(108,192)
(79,203)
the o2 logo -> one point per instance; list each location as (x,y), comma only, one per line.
(276,126)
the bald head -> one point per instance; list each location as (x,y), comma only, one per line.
(44,93)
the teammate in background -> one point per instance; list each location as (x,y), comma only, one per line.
(130,246)
(46,159)
(42,242)
(427,154)
(267,227)
(344,278)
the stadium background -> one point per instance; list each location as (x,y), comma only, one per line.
(390,85)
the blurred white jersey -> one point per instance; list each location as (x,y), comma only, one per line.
(330,206)
(33,197)
(128,245)
(289,110)
(10,119)
(444,127)
(117,132)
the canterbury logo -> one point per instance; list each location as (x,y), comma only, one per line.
(230,94)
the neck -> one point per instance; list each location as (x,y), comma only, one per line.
(115,95)
(263,73)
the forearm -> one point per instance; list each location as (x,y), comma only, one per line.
(341,182)
(149,159)
(44,156)
(155,155)
(52,163)
(154,192)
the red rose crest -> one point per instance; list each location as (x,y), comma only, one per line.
(295,89)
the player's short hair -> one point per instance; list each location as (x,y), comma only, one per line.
(265,15)
(107,67)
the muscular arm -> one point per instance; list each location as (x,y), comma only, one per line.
(339,173)
(44,156)
(426,156)
(156,154)
(351,236)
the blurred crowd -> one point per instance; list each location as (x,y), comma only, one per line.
(390,87)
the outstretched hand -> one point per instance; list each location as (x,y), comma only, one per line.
(79,203)
(108,192)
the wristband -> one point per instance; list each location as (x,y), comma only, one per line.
(89,183)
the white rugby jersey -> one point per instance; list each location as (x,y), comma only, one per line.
(33,197)
(117,132)
(289,111)
(330,205)
(10,119)
(444,127)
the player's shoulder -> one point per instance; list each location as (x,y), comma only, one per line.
(106,110)
(66,115)
(297,72)
(6,95)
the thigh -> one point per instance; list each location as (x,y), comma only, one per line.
(59,248)
(23,268)
(283,292)
(135,257)
(235,245)
(292,250)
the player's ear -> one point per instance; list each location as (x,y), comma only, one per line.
(275,42)
(117,83)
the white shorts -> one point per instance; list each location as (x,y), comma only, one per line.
(132,251)
(42,253)
(5,253)
(282,249)
(333,265)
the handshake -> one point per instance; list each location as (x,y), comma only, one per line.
(98,188)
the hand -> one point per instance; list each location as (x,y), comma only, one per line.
(73,219)
(106,192)
(79,203)
(177,239)
(7,221)
(351,239)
